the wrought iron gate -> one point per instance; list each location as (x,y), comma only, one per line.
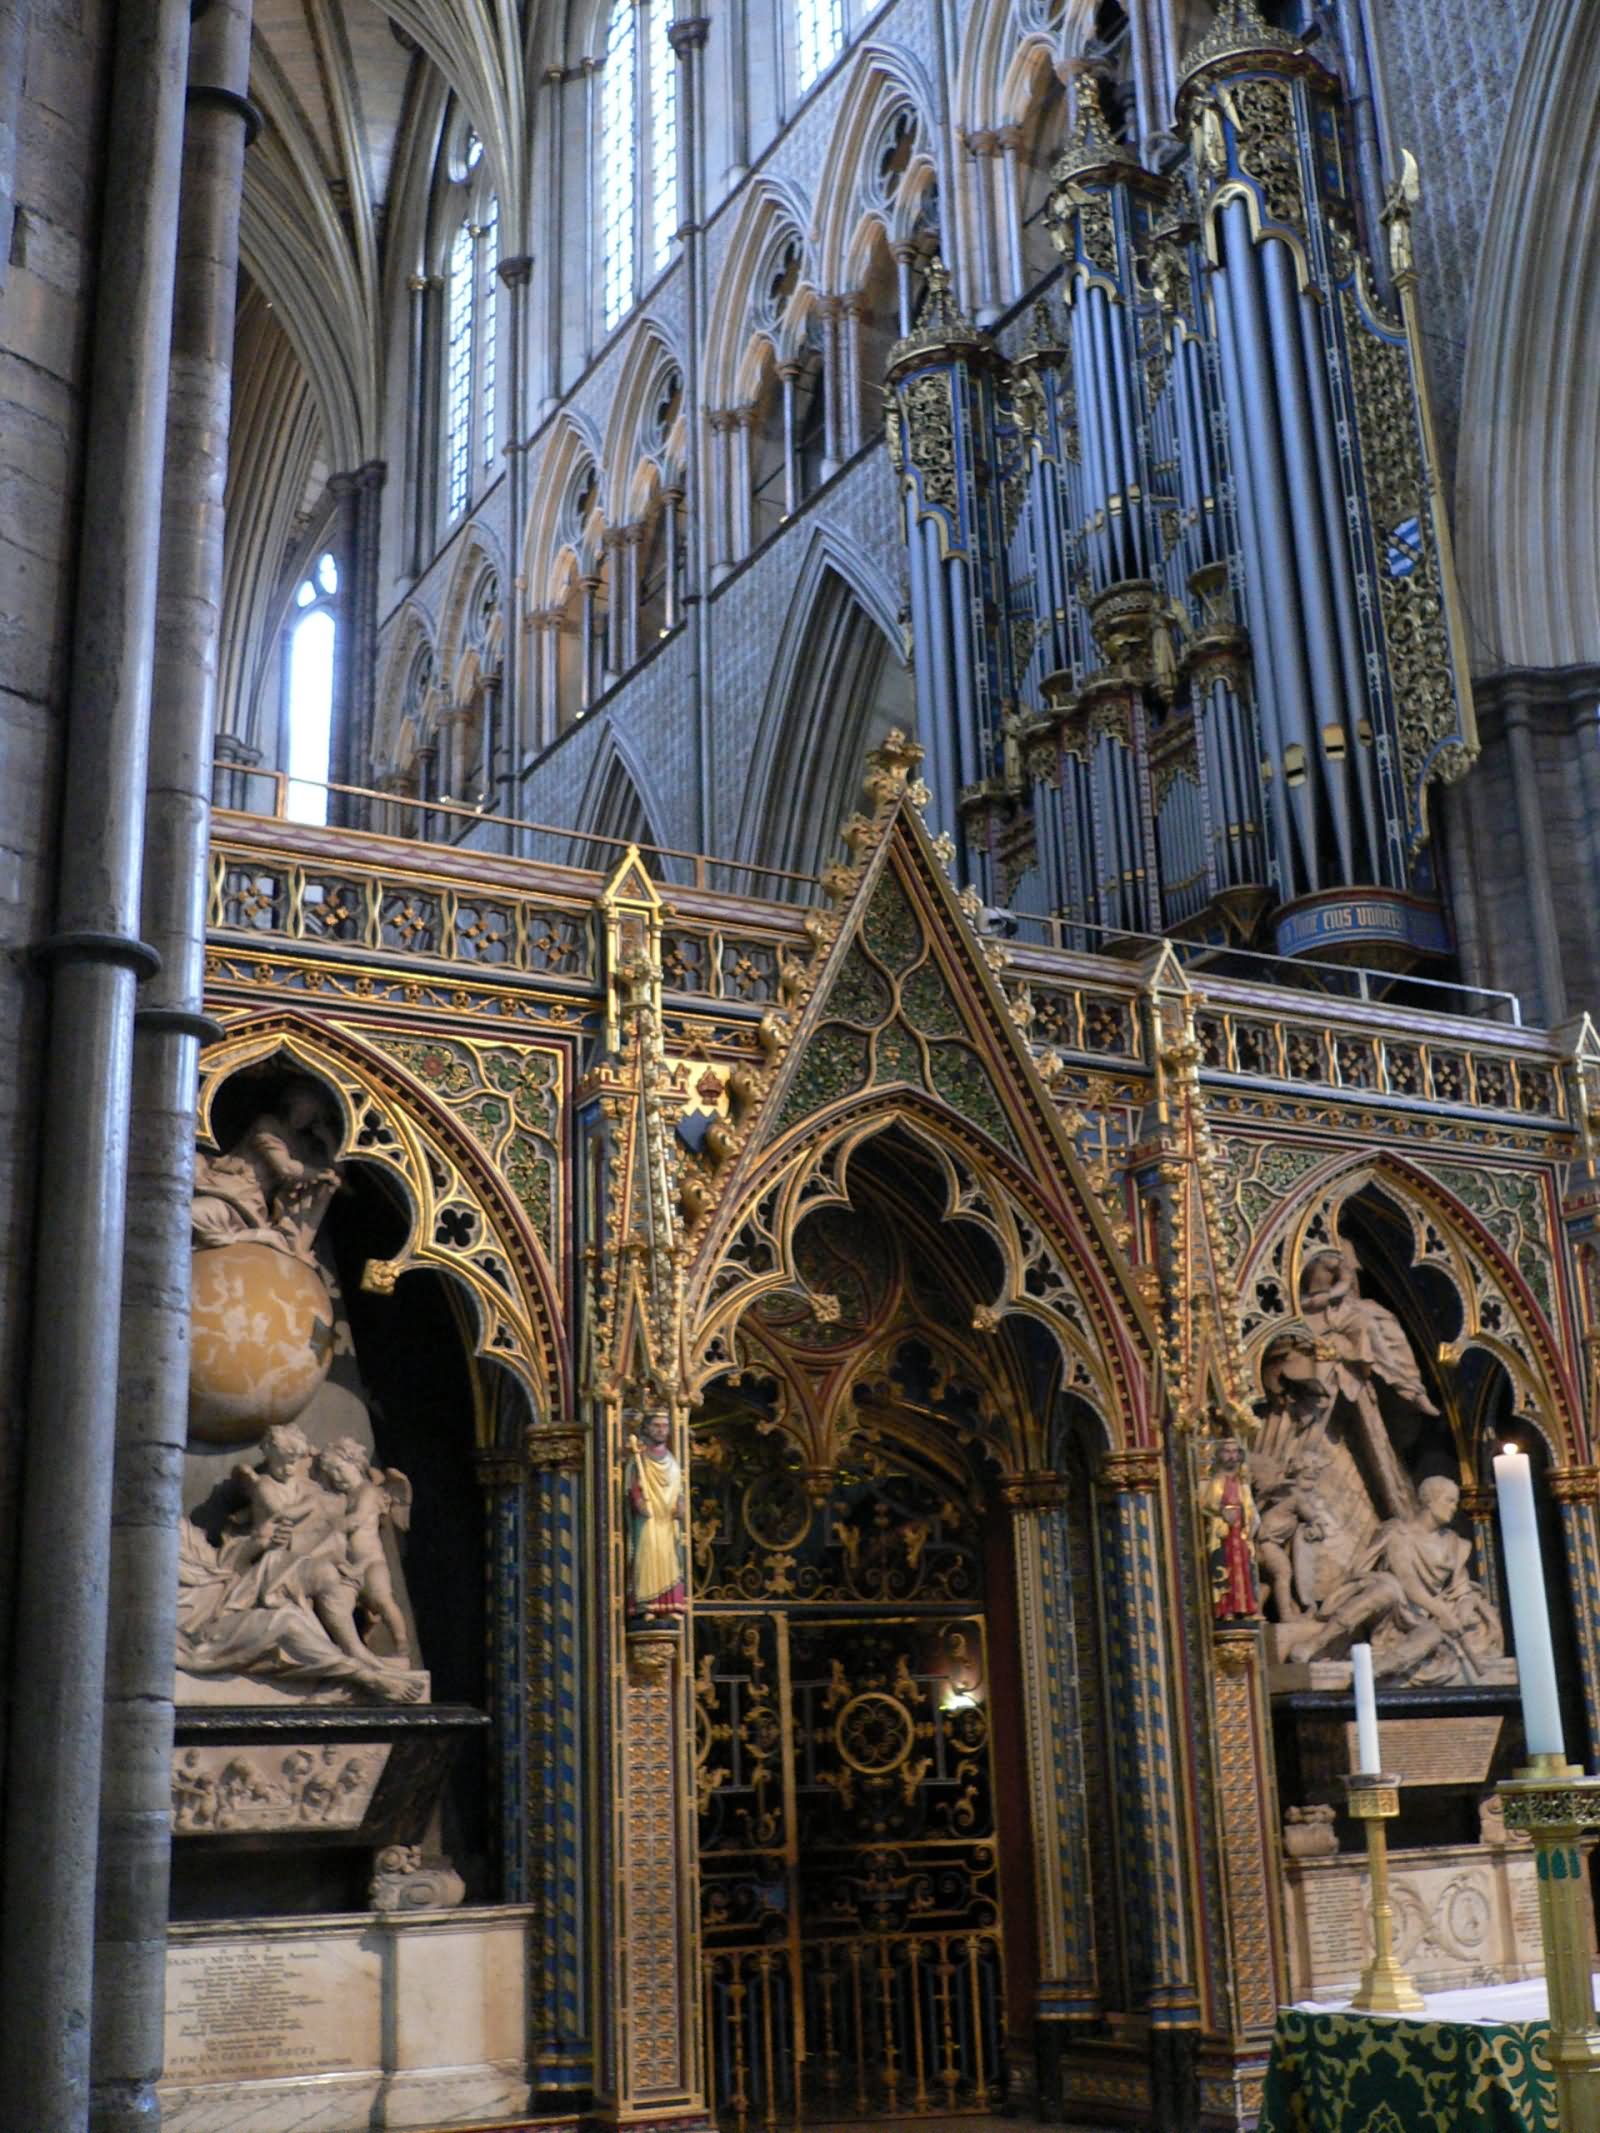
(850,1891)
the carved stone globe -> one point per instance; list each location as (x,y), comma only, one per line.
(262,1338)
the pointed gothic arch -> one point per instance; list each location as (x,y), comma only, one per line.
(882,77)
(613,808)
(498,1245)
(838,686)
(1500,1311)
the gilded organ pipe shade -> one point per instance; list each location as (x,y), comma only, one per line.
(1182,608)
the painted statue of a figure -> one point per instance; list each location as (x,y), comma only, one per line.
(656,1588)
(1230,1514)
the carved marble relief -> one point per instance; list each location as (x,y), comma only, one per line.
(1350,1544)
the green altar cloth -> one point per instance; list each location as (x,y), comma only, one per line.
(1344,2073)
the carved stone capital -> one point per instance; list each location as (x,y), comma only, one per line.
(1234,1649)
(1134,1471)
(1041,1490)
(1574,1484)
(556,1448)
(1477,1500)
(651,1653)
(499,1466)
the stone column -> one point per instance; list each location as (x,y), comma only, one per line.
(169,1027)
(833,387)
(1144,1757)
(232,761)
(559,1875)
(364,646)
(546,623)
(13,53)
(1541,906)
(850,379)
(984,147)
(787,374)
(516,274)
(671,505)
(1069,1986)
(1009,206)
(905,259)
(427,774)
(587,691)
(94,959)
(744,421)
(719,424)
(1576,1490)
(341,728)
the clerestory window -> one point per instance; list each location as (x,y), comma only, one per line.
(637,175)
(471,319)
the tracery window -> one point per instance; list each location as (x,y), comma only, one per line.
(637,176)
(818,39)
(308,693)
(471,319)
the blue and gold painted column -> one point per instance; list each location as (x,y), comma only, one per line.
(558,1869)
(1144,1748)
(1576,1490)
(1068,1996)
(502,1471)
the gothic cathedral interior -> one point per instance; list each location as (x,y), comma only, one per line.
(800,853)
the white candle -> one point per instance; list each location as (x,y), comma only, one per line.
(1530,1605)
(1367,1763)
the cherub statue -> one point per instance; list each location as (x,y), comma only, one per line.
(371,1495)
(273,1185)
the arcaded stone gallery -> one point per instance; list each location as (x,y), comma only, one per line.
(800,1163)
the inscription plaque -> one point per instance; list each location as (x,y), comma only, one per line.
(1435,1751)
(253,2010)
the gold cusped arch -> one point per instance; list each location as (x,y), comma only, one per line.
(1500,1312)
(900,979)
(1047,1274)
(464,1221)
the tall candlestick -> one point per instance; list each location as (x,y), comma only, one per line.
(1367,1763)
(1530,1607)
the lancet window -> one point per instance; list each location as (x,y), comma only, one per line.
(471,317)
(818,39)
(637,175)
(308,692)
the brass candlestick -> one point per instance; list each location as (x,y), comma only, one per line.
(1385,1987)
(1558,1807)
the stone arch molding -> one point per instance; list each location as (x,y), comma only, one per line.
(1499,1311)
(463,1220)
